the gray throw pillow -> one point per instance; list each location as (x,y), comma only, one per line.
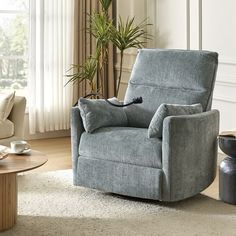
(164,110)
(97,113)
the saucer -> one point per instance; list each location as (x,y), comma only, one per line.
(20,153)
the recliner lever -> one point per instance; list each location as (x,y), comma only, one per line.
(137,100)
(134,101)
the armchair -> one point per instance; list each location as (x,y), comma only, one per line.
(179,165)
(14,126)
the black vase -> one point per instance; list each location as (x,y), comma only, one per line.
(227,173)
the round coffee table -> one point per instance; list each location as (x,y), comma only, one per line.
(9,168)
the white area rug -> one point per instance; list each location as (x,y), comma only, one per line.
(50,205)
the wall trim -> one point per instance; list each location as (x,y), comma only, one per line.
(128,52)
(200,23)
(124,82)
(188,24)
(125,68)
(227,61)
(226,83)
(224,99)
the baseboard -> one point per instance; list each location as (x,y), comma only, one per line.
(51,134)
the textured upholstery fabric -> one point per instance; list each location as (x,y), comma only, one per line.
(164,110)
(122,144)
(121,160)
(6,129)
(118,177)
(76,130)
(6,104)
(98,113)
(169,76)
(189,154)
(17,118)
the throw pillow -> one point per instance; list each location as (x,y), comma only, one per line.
(6,104)
(164,110)
(98,113)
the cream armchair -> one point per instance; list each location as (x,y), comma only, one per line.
(13,128)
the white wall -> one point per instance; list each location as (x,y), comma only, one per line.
(219,34)
(193,24)
(137,9)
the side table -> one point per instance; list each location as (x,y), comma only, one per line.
(227,172)
(9,168)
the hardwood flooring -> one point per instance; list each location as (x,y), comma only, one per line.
(58,151)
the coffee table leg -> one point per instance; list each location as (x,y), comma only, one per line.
(8,201)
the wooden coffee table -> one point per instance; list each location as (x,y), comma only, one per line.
(9,168)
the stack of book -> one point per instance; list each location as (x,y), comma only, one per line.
(228,134)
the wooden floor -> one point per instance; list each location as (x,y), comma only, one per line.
(59,158)
(57,150)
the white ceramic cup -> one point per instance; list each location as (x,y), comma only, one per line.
(19,146)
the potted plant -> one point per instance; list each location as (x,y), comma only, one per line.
(126,35)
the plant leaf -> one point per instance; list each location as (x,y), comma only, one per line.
(128,35)
(86,71)
(105,4)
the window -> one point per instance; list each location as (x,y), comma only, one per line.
(14,29)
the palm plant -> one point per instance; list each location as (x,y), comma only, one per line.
(128,35)
(105,4)
(84,72)
(101,27)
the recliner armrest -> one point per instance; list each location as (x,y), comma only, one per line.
(76,130)
(189,154)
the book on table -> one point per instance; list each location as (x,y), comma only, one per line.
(230,133)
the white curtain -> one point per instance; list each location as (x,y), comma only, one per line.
(51,55)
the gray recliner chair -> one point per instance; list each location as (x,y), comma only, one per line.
(125,161)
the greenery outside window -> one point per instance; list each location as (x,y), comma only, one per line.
(14,31)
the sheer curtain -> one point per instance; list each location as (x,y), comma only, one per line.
(51,55)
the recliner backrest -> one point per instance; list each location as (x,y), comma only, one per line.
(170,76)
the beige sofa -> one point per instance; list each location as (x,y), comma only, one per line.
(13,128)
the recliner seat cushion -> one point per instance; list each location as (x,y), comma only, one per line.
(6,129)
(169,76)
(122,144)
